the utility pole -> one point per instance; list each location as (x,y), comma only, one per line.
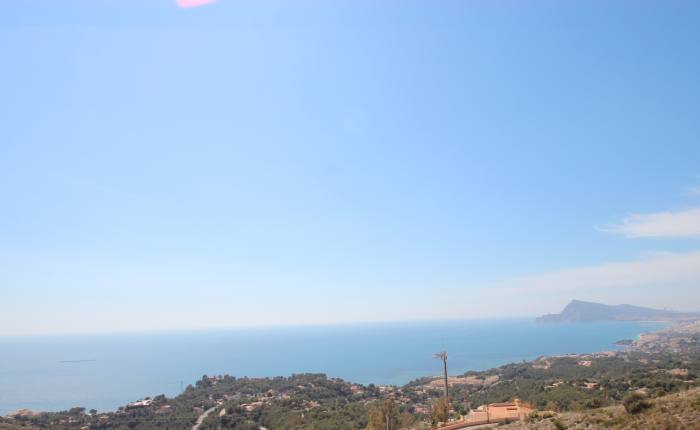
(443,356)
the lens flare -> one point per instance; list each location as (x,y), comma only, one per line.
(193,3)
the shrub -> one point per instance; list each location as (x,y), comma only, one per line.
(558,424)
(636,403)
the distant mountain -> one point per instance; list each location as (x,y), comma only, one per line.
(579,311)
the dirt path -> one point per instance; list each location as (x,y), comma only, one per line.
(202,417)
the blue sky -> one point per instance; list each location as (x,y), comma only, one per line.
(275,162)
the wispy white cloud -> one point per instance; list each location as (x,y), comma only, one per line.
(660,224)
(662,269)
(655,272)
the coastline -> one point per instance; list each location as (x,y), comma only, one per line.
(533,356)
(559,383)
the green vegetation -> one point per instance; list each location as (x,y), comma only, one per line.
(632,381)
(679,411)
(635,403)
(558,424)
(441,411)
(562,384)
(383,415)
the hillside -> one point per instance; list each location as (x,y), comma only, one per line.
(8,424)
(679,411)
(580,311)
(573,389)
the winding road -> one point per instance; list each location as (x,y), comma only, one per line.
(203,417)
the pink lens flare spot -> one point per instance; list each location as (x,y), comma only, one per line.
(193,3)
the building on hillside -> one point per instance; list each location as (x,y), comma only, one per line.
(140,404)
(497,412)
(515,410)
(492,413)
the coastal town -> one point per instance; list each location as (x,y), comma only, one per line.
(350,215)
(654,366)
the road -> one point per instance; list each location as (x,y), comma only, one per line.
(203,417)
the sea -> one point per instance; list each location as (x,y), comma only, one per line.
(51,373)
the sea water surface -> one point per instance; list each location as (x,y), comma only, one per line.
(48,373)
